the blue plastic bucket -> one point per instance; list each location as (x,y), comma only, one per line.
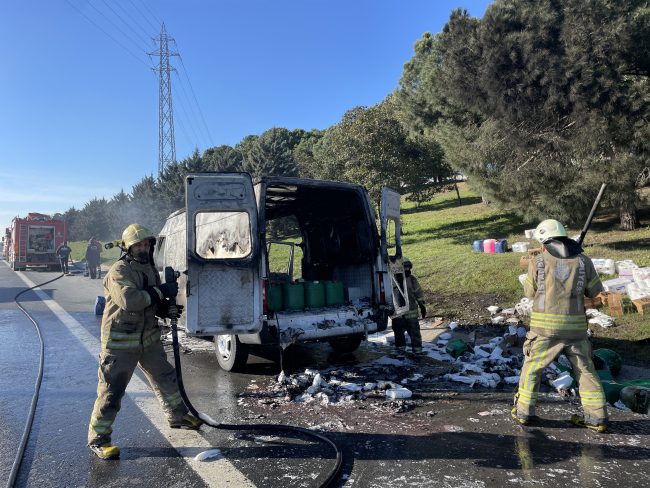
(99,305)
(478,246)
(501,246)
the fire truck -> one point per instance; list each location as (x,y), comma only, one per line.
(31,242)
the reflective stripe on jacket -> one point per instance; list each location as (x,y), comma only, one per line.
(558,287)
(416,296)
(129,320)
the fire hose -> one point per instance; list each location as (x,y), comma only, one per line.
(172,276)
(15,467)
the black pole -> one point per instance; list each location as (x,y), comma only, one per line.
(591,214)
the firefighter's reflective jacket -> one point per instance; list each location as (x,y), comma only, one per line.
(558,287)
(129,320)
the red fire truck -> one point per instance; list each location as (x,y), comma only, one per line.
(32,242)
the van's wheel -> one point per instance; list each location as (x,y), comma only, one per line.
(232,355)
(346,344)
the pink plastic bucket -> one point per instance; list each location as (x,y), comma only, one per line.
(489,246)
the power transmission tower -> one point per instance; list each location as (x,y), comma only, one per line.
(166,140)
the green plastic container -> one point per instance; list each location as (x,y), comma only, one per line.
(333,293)
(274,298)
(293,295)
(612,359)
(456,347)
(314,294)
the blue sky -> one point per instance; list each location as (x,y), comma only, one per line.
(79,102)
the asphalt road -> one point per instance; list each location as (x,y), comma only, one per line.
(449,436)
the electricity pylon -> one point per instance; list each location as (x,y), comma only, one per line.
(166,140)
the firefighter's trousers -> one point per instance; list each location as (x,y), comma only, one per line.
(539,352)
(411,326)
(115,370)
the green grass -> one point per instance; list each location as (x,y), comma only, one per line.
(459,283)
(108,256)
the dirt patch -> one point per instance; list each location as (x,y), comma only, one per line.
(465,308)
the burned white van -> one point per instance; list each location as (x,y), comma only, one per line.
(282,261)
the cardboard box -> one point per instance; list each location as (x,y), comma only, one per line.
(523,262)
(535,251)
(615,303)
(642,305)
(593,302)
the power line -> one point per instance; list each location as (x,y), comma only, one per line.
(149,37)
(146,41)
(188,118)
(158,21)
(155,28)
(113,24)
(110,36)
(197,102)
(190,108)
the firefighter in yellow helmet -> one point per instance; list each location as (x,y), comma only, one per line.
(130,336)
(558,280)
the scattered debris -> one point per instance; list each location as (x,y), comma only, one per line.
(209,454)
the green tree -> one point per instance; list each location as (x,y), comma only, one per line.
(223,158)
(270,154)
(534,105)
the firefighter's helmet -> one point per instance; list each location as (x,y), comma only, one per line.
(136,233)
(548,229)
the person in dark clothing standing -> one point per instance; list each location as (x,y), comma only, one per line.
(63,253)
(93,256)
(408,323)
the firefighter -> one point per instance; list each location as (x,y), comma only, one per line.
(63,253)
(130,336)
(93,251)
(558,280)
(409,321)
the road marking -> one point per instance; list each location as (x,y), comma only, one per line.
(187,443)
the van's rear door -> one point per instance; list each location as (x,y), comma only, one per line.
(391,250)
(224,289)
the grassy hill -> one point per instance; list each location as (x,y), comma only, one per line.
(459,283)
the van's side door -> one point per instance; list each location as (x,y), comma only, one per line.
(223,289)
(391,249)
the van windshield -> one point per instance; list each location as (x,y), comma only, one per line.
(222,235)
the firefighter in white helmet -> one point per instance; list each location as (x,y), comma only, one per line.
(558,280)
(130,336)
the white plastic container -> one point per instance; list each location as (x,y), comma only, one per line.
(398,393)
(617,285)
(639,275)
(562,382)
(624,268)
(520,247)
(529,233)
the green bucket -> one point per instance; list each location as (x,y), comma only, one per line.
(612,359)
(333,293)
(294,296)
(274,298)
(314,294)
(456,347)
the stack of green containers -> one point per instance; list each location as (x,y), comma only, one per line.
(294,296)
(314,294)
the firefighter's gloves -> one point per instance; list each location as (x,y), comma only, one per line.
(167,311)
(423,310)
(166,290)
(169,290)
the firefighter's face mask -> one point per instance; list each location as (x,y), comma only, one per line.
(140,251)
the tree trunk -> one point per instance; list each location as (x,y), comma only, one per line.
(628,214)
(460,201)
(485,200)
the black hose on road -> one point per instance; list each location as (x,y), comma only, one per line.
(37,388)
(334,472)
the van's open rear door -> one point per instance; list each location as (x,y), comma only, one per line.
(391,249)
(224,289)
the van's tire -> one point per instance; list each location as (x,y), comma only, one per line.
(232,355)
(346,344)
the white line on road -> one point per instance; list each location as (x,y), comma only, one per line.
(187,443)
